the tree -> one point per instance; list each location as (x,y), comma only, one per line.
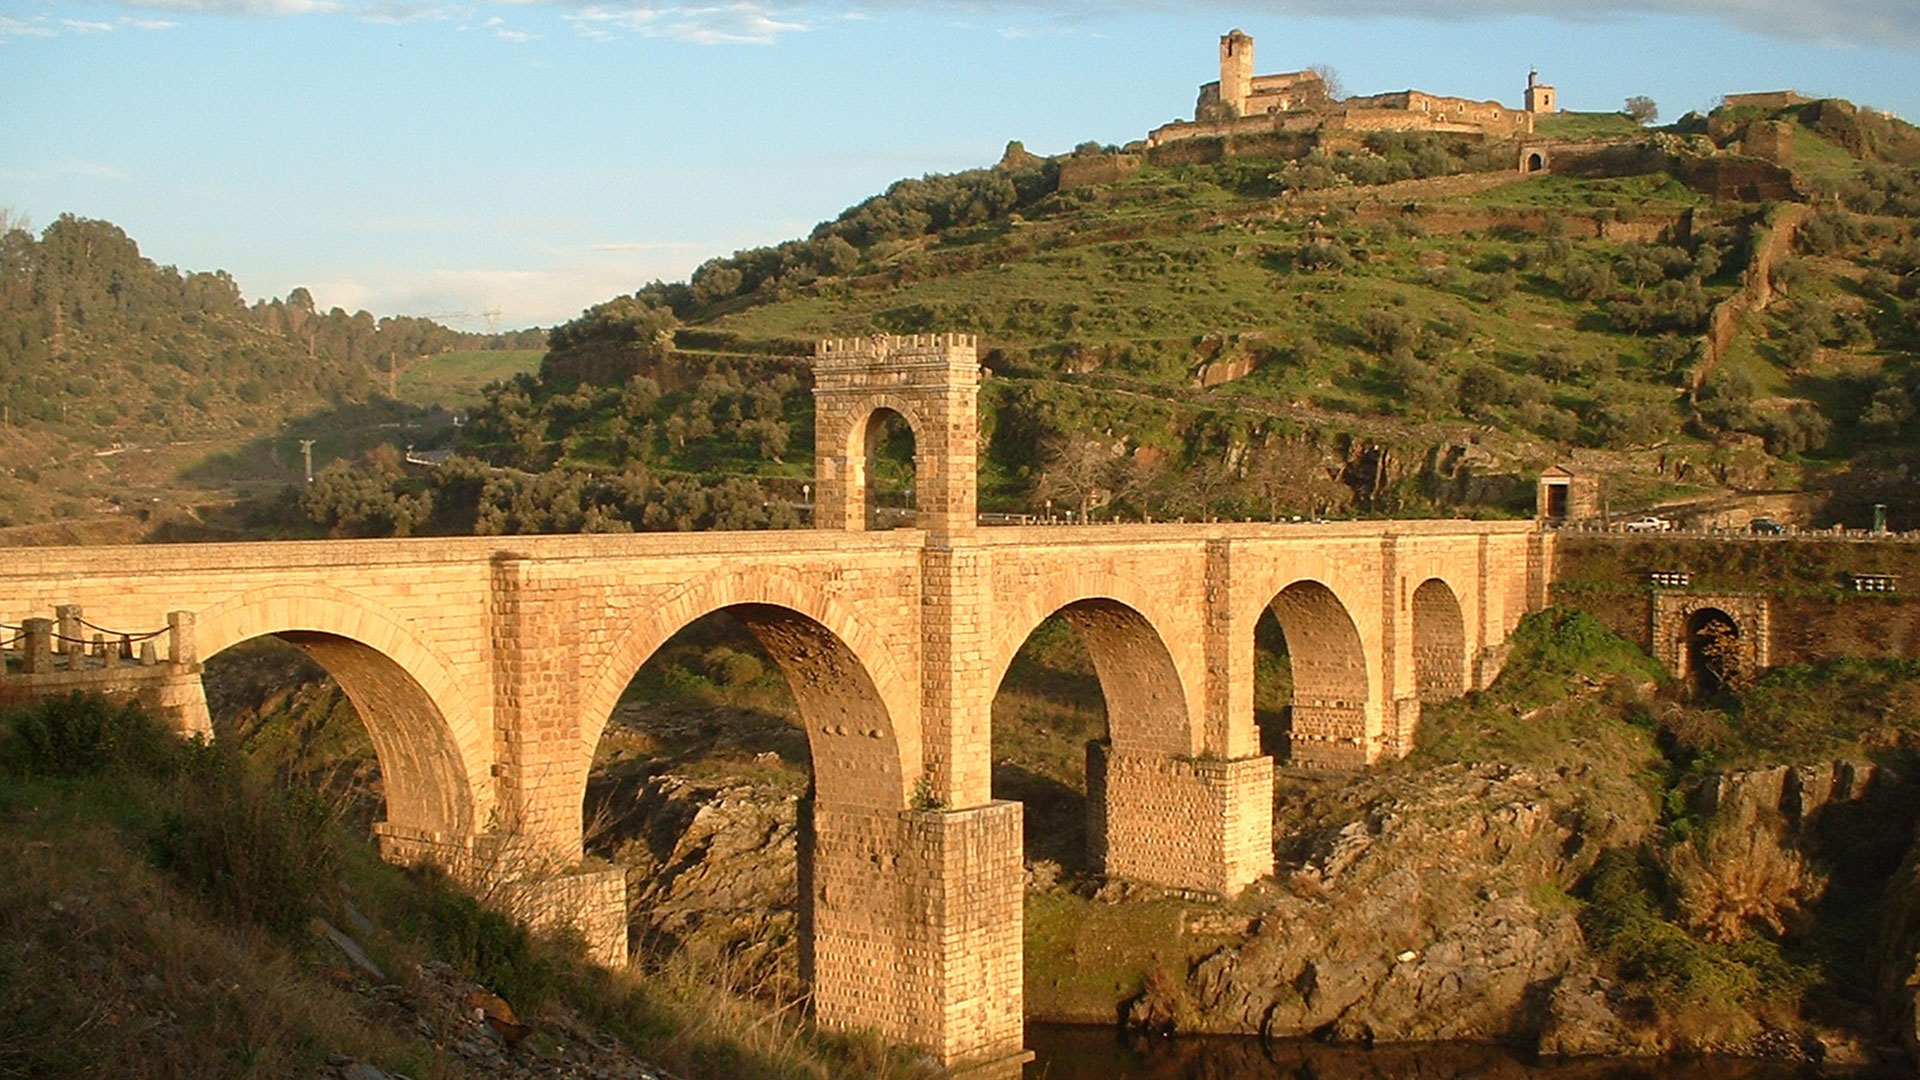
(1642,109)
(1336,89)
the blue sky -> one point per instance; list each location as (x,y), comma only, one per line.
(538,156)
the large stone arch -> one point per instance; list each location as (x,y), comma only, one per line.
(1334,681)
(429,730)
(859,709)
(1439,642)
(1151,708)
(931,380)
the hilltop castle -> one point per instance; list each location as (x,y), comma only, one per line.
(1242,103)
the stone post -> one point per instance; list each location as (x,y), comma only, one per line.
(181,647)
(916,922)
(72,641)
(532,868)
(38,646)
(1190,823)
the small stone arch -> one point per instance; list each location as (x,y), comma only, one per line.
(1713,651)
(432,737)
(858,452)
(860,712)
(1535,159)
(1331,683)
(1678,618)
(1439,642)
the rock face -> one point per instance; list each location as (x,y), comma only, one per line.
(1757,870)
(1438,912)
(1436,906)
(713,874)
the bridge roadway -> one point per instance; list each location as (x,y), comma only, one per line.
(486,668)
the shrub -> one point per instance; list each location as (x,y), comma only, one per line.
(86,736)
(252,853)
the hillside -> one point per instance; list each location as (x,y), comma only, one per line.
(118,375)
(1400,325)
(1395,324)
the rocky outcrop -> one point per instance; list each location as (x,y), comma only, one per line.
(1756,868)
(1440,907)
(712,874)
(1439,912)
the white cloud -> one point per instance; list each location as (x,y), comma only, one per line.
(1860,22)
(537,297)
(68,167)
(743,23)
(11,28)
(394,12)
(1883,23)
(663,245)
(79,26)
(518,37)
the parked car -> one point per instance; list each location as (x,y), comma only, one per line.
(1765,527)
(1650,524)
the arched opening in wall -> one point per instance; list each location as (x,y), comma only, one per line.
(1092,680)
(321,712)
(1325,713)
(1439,643)
(888,446)
(1535,162)
(1713,652)
(703,786)
(1047,709)
(1272,685)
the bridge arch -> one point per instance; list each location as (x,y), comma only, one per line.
(859,710)
(1333,676)
(1439,642)
(1150,709)
(430,732)
(1713,651)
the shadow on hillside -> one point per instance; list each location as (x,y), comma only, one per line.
(344,431)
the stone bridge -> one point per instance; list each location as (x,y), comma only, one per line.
(486,668)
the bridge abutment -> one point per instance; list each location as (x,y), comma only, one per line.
(524,881)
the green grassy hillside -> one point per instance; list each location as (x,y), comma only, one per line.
(1399,327)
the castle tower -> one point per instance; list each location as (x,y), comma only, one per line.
(1541,99)
(1236,71)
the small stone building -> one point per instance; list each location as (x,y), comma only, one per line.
(1567,496)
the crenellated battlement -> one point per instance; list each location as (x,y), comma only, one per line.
(878,347)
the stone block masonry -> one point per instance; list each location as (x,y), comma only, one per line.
(485,669)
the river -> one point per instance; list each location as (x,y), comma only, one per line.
(1078,1052)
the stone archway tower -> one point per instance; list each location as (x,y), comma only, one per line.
(933,381)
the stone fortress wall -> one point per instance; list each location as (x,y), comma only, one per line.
(1242,104)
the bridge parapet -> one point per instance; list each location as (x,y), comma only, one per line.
(44,659)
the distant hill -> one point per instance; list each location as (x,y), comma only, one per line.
(100,348)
